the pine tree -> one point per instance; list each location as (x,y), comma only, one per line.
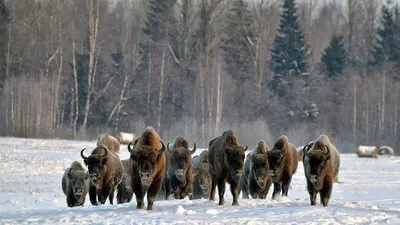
(387,46)
(289,54)
(334,57)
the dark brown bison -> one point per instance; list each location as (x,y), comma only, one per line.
(148,165)
(283,162)
(124,189)
(226,157)
(256,179)
(202,180)
(179,177)
(75,184)
(105,169)
(321,165)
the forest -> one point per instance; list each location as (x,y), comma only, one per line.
(73,69)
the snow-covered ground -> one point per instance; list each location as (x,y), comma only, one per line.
(30,193)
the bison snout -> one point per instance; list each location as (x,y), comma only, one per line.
(260,179)
(78,191)
(203,186)
(93,177)
(145,175)
(180,174)
(313,178)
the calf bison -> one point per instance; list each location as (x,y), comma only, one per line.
(321,165)
(282,160)
(226,157)
(179,177)
(75,184)
(256,179)
(124,189)
(202,180)
(148,165)
(105,169)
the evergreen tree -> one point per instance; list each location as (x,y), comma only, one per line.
(334,57)
(289,54)
(387,46)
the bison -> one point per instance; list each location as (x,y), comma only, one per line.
(321,165)
(282,160)
(105,169)
(202,180)
(124,189)
(226,159)
(256,179)
(75,184)
(179,177)
(148,165)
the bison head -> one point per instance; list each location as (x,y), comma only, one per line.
(275,163)
(147,158)
(203,178)
(179,159)
(235,160)
(260,168)
(96,163)
(79,180)
(315,161)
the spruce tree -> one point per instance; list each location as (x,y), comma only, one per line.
(289,54)
(334,57)
(387,46)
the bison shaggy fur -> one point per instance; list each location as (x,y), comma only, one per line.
(283,162)
(226,159)
(256,180)
(179,177)
(202,180)
(75,184)
(124,189)
(321,162)
(148,166)
(105,169)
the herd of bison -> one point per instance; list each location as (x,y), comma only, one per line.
(160,171)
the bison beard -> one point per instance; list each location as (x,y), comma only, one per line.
(321,165)
(148,164)
(226,158)
(283,162)
(105,170)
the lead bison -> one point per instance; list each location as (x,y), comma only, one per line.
(256,179)
(179,177)
(148,165)
(124,189)
(75,184)
(321,165)
(202,180)
(283,162)
(105,169)
(226,158)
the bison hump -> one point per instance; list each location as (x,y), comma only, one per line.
(77,166)
(230,138)
(281,144)
(324,138)
(261,148)
(150,137)
(180,142)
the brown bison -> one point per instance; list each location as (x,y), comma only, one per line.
(179,177)
(124,189)
(202,180)
(321,165)
(282,160)
(75,184)
(256,179)
(105,169)
(148,165)
(226,157)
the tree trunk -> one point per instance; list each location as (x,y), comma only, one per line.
(202,96)
(383,107)
(219,101)
(160,97)
(149,82)
(355,112)
(57,120)
(75,117)
(396,108)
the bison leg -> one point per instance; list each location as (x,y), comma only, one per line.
(221,191)
(325,193)
(139,196)
(111,196)
(235,193)
(285,186)
(103,195)
(167,185)
(152,193)
(213,187)
(93,195)
(277,189)
(312,192)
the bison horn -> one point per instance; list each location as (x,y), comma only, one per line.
(162,148)
(245,149)
(130,149)
(194,149)
(83,156)
(328,153)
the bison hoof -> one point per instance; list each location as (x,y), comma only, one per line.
(235,203)
(221,203)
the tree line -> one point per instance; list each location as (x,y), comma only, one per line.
(75,69)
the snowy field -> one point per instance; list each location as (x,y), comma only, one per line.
(30,193)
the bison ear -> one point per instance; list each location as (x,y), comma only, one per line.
(327,155)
